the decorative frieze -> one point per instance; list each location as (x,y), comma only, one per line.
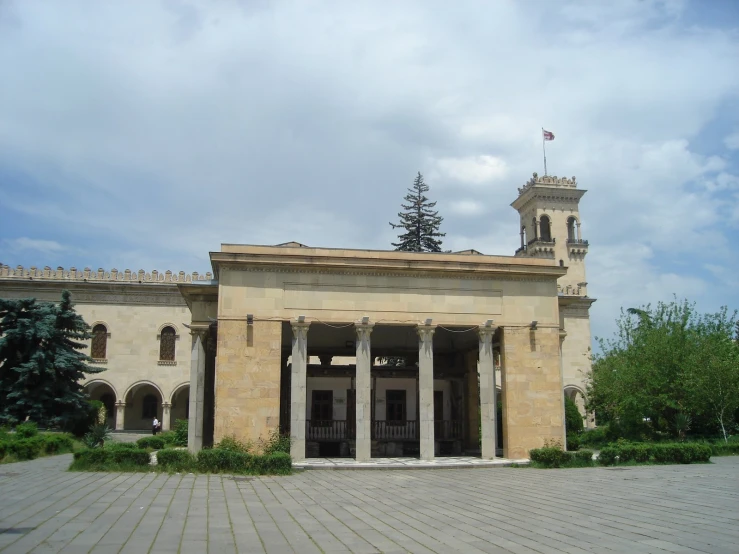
(115,276)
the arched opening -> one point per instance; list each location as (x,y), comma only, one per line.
(577,396)
(571,229)
(103,392)
(167,343)
(546,228)
(143,404)
(180,405)
(99,346)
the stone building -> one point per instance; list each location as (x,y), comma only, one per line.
(294,338)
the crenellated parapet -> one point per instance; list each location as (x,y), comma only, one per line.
(548,181)
(87,274)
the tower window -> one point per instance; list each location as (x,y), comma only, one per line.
(571,232)
(167,344)
(546,229)
(99,348)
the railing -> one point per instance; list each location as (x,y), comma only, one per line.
(394,430)
(447,430)
(542,240)
(577,241)
(318,430)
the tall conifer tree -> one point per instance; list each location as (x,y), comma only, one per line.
(419,221)
(41,361)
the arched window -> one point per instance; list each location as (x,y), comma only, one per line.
(571,232)
(149,407)
(534,226)
(99,348)
(546,229)
(167,340)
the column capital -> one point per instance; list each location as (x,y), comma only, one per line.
(425,332)
(200,331)
(486,333)
(120,404)
(166,405)
(363,330)
(300,329)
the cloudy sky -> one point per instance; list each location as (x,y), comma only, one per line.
(142,134)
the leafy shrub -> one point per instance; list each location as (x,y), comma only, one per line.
(3,448)
(26,430)
(218,460)
(176,460)
(549,456)
(81,423)
(57,443)
(725,449)
(275,442)
(26,449)
(98,434)
(573,419)
(277,463)
(110,459)
(232,444)
(608,456)
(573,442)
(584,457)
(667,453)
(595,437)
(180,432)
(154,442)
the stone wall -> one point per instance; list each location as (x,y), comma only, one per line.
(247,388)
(532,390)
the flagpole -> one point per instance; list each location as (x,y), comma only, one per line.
(544,148)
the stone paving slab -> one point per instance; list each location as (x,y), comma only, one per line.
(44,508)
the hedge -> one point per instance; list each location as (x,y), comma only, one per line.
(216,460)
(153,442)
(725,449)
(175,460)
(25,446)
(111,458)
(552,456)
(661,453)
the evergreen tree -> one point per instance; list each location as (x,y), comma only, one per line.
(41,363)
(419,221)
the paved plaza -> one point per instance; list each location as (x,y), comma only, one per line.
(44,508)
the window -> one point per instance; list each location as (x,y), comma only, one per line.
(546,229)
(571,233)
(150,407)
(167,340)
(395,403)
(322,408)
(99,348)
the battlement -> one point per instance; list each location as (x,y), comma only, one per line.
(87,274)
(548,181)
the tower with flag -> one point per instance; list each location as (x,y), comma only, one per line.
(545,136)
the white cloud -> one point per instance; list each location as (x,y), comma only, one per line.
(38,245)
(467,207)
(472,170)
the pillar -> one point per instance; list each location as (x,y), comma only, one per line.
(426,390)
(487,392)
(197,392)
(166,416)
(538,228)
(120,415)
(579,237)
(298,387)
(363,393)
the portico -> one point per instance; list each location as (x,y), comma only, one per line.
(454,319)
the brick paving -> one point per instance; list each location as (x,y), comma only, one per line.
(44,508)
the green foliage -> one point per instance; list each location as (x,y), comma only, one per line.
(726,449)
(16,447)
(682,424)
(419,221)
(180,432)
(26,430)
(80,423)
(624,452)
(176,460)
(554,456)
(573,419)
(275,442)
(573,442)
(111,458)
(154,442)
(41,363)
(232,444)
(662,362)
(217,460)
(98,434)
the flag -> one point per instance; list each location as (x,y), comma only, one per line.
(548,135)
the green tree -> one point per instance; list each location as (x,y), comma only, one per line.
(573,419)
(41,362)
(658,365)
(419,221)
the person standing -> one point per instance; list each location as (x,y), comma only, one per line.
(155,426)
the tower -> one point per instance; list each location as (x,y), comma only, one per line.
(550,228)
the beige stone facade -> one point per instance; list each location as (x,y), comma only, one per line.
(489,343)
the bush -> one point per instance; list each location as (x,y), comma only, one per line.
(154,442)
(573,419)
(57,443)
(110,458)
(725,449)
(180,432)
(584,457)
(98,434)
(595,437)
(232,444)
(88,417)
(553,456)
(176,460)
(608,456)
(26,449)
(277,463)
(573,442)
(667,453)
(275,443)
(218,460)
(26,430)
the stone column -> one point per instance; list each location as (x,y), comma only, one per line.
(165,416)
(363,393)
(120,415)
(538,228)
(298,388)
(197,392)
(578,231)
(487,392)
(426,390)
